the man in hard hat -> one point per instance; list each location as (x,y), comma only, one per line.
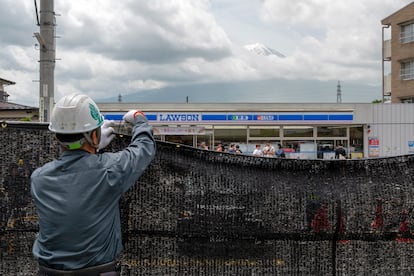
(77,195)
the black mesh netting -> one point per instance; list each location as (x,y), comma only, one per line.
(198,212)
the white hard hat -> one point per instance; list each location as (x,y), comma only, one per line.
(76,113)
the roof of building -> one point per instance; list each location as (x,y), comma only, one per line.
(6,82)
(388,20)
(14,106)
(239,107)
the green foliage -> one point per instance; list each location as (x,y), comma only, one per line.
(377,101)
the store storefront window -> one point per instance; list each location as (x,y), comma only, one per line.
(180,139)
(298,141)
(297,131)
(206,139)
(331,131)
(259,135)
(230,134)
(263,131)
(252,144)
(206,136)
(326,149)
(356,140)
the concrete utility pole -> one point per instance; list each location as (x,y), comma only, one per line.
(46,39)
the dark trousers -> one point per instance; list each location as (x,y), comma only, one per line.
(108,269)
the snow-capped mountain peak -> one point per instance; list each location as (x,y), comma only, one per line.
(263,50)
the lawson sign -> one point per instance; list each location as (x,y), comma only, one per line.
(179,117)
(243,118)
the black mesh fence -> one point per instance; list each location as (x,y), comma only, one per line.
(197,212)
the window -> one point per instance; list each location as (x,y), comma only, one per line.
(356,141)
(407,100)
(264,131)
(407,33)
(230,134)
(297,131)
(407,70)
(180,139)
(331,131)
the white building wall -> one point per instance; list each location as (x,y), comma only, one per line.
(393,125)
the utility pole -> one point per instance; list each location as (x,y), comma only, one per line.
(46,39)
(338,93)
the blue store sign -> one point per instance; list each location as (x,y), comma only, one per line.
(237,118)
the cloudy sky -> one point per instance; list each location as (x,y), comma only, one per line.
(105,48)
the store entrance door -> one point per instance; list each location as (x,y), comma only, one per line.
(344,143)
(326,149)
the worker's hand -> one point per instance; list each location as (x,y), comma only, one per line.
(107,134)
(131,115)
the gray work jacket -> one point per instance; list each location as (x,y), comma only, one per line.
(77,198)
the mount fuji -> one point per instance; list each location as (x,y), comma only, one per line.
(276,90)
(262,50)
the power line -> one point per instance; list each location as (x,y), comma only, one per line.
(37,13)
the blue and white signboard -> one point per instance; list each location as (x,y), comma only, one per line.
(243,118)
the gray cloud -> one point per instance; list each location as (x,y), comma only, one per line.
(147,31)
(111,47)
(16,23)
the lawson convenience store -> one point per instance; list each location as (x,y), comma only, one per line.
(304,130)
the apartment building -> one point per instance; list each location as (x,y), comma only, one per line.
(398,55)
